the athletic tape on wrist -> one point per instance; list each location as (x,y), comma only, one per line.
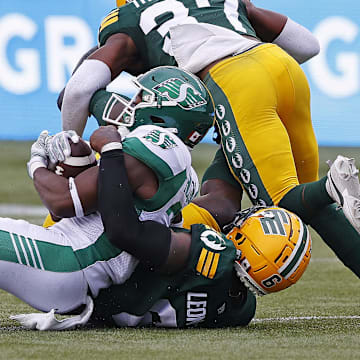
(79,212)
(34,164)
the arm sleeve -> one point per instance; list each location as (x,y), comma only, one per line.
(85,56)
(91,76)
(148,241)
(298,41)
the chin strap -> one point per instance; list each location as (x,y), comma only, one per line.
(48,321)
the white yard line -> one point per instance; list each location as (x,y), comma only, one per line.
(25,210)
(301,318)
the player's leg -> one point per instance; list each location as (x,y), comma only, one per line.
(220,196)
(294,111)
(255,142)
(257,145)
(38,267)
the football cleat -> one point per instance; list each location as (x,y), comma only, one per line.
(343,187)
(274,246)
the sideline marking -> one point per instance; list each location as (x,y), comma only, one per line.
(18,209)
(299,318)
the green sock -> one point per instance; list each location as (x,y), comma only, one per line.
(306,200)
(336,231)
(314,206)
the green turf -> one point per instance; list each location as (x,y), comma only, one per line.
(327,290)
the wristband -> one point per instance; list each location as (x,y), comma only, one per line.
(35,163)
(115,145)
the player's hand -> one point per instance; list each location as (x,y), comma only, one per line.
(58,146)
(104,135)
(38,155)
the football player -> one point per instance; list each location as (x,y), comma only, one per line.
(75,253)
(205,289)
(196,295)
(262,102)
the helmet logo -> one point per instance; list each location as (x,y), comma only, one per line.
(183,93)
(160,139)
(273,222)
(213,240)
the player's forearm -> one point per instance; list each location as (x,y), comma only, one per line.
(54,192)
(148,241)
(90,76)
(221,199)
(84,57)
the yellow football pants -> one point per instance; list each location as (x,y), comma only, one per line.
(262,101)
(194,214)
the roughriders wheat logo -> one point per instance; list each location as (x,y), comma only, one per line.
(183,93)
(160,139)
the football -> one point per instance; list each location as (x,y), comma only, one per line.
(82,157)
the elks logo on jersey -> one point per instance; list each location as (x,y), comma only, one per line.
(160,139)
(220,111)
(183,93)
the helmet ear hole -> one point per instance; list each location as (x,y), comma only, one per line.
(157,120)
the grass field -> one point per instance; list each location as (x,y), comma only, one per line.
(318,318)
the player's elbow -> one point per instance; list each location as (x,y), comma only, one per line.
(118,235)
(62,208)
(311,50)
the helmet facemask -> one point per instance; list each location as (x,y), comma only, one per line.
(167,97)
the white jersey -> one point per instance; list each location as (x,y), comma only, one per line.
(170,160)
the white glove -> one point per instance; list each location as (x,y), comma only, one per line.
(47,321)
(38,157)
(58,146)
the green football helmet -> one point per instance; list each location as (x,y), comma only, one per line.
(168,97)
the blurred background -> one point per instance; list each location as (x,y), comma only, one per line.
(41,41)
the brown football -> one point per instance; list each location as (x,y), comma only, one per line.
(82,157)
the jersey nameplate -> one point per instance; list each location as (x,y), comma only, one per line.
(195,307)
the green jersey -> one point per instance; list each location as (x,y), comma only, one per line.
(148,23)
(196,296)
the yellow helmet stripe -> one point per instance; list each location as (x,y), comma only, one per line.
(120,3)
(298,253)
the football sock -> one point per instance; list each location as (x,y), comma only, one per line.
(313,204)
(306,200)
(336,231)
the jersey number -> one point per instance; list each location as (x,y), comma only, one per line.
(181,16)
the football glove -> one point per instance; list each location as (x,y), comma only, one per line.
(58,146)
(38,155)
